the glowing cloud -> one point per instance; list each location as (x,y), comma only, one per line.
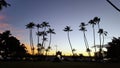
(4,26)
(2,17)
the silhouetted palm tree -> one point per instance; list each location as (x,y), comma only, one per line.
(93,24)
(83,28)
(38,27)
(42,45)
(44,25)
(68,29)
(100,33)
(97,21)
(38,34)
(3,3)
(30,26)
(104,34)
(113,5)
(50,31)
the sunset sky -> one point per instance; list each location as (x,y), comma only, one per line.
(60,13)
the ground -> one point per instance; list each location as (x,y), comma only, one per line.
(38,64)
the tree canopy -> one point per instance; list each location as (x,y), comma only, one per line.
(113,50)
(10,46)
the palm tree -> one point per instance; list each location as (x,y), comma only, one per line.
(68,29)
(104,34)
(3,3)
(93,24)
(38,34)
(100,49)
(113,5)
(44,25)
(83,28)
(50,31)
(97,21)
(38,27)
(30,26)
(43,34)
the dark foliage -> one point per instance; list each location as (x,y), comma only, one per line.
(10,46)
(113,50)
(3,3)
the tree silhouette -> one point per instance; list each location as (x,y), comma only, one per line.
(97,21)
(3,3)
(38,35)
(38,27)
(68,29)
(103,35)
(30,26)
(44,25)
(10,46)
(39,45)
(100,49)
(50,31)
(83,28)
(113,50)
(93,24)
(113,5)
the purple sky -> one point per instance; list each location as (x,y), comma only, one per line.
(60,13)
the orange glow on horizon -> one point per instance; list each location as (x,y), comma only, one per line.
(53,52)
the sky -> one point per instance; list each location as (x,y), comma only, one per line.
(61,13)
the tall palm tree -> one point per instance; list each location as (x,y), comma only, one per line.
(39,45)
(68,29)
(83,28)
(50,31)
(100,49)
(44,25)
(38,27)
(3,3)
(113,5)
(43,34)
(30,26)
(93,24)
(38,34)
(104,34)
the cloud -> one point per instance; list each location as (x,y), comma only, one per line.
(2,17)
(4,26)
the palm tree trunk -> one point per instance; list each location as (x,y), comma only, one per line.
(38,41)
(100,42)
(103,40)
(70,42)
(94,38)
(50,39)
(46,53)
(43,36)
(31,42)
(100,49)
(86,43)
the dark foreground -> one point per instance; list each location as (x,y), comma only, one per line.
(36,64)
